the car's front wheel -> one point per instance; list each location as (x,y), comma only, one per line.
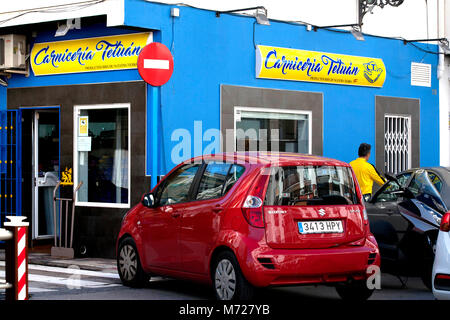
(354,291)
(129,265)
(228,281)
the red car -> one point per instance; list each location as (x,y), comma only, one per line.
(239,221)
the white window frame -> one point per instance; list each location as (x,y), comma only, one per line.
(273,110)
(77,109)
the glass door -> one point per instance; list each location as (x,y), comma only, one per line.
(45,171)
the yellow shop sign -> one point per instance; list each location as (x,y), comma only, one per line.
(313,66)
(89,54)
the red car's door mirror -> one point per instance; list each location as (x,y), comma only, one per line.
(148,200)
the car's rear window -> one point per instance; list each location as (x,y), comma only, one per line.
(310,185)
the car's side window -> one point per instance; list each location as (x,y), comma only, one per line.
(403,178)
(387,194)
(415,186)
(235,173)
(435,180)
(212,181)
(218,179)
(176,187)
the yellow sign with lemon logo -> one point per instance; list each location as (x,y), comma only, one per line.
(313,66)
(90,54)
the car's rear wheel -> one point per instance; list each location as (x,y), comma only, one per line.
(354,291)
(129,265)
(228,281)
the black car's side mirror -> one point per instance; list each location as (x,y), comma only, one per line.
(148,200)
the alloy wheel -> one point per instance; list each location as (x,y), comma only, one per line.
(128,262)
(225,280)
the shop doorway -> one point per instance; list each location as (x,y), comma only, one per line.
(45,144)
(397,132)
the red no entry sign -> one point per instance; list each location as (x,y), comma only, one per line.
(155,64)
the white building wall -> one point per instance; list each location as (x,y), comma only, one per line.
(443,25)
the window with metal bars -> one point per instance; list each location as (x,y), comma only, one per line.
(397,143)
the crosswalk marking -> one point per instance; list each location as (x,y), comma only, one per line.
(40,290)
(70,281)
(71,271)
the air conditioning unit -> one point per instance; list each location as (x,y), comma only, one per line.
(13,50)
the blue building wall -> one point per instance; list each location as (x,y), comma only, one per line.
(2,98)
(210,51)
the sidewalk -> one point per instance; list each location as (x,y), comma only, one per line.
(93,264)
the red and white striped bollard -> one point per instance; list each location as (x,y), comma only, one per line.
(16,255)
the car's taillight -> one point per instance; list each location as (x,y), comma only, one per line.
(253,211)
(442,276)
(253,204)
(445,223)
(365,216)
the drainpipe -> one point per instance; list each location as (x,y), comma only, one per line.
(444,91)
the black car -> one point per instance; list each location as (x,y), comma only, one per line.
(404,216)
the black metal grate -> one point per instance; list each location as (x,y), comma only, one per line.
(10,164)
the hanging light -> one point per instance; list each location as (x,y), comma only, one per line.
(356,32)
(260,14)
(443,43)
(69,25)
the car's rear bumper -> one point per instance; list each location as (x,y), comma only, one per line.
(266,266)
(441,287)
(441,294)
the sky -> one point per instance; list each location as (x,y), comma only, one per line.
(389,21)
(408,21)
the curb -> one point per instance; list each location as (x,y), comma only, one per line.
(66,265)
(54,262)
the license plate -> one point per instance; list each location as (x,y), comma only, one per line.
(327,226)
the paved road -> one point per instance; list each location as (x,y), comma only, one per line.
(56,283)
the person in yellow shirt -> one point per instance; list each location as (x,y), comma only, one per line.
(365,172)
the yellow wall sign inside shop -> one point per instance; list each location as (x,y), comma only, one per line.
(83,126)
(89,54)
(313,66)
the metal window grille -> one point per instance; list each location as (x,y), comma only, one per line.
(397,143)
(10,164)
